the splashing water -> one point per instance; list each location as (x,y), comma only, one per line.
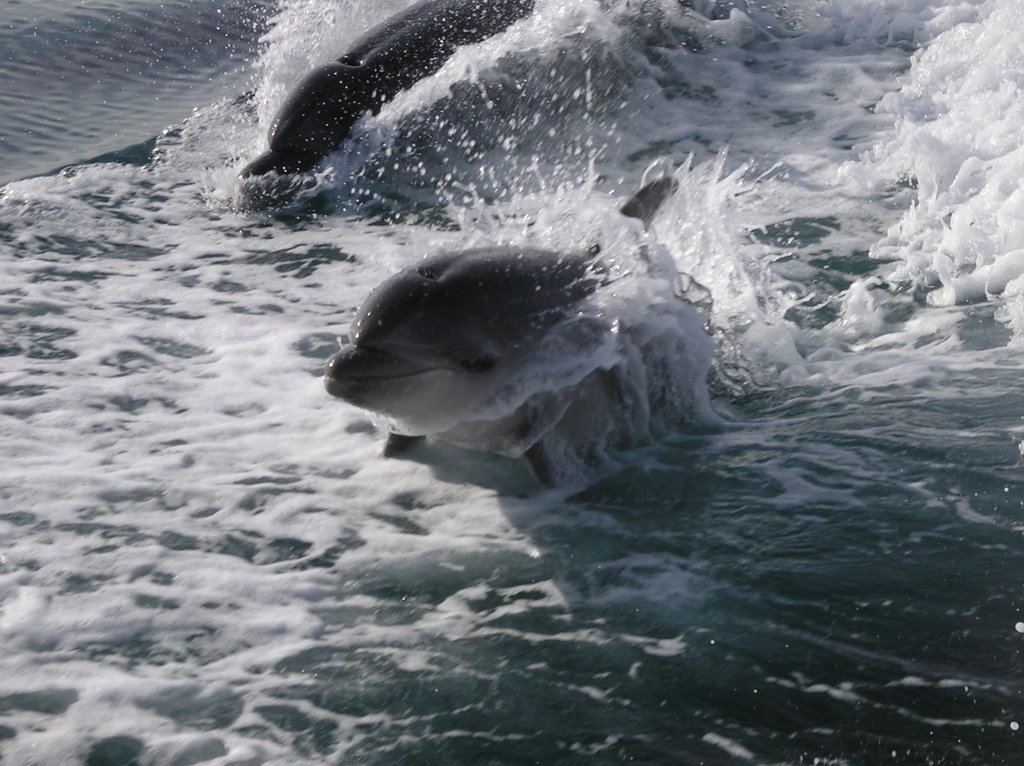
(203,558)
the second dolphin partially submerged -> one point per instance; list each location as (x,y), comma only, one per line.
(319,114)
(515,350)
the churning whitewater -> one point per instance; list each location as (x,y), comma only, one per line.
(806,546)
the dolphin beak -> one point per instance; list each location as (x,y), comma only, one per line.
(355,370)
(282,163)
(272,179)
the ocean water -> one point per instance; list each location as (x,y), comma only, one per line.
(205,560)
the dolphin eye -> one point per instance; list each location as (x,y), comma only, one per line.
(480,364)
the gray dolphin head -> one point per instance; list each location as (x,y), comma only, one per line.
(508,349)
(430,341)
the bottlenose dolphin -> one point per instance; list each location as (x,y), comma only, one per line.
(319,114)
(441,349)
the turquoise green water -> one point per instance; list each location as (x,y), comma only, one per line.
(204,559)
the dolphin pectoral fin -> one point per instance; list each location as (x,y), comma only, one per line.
(396,444)
(541,463)
(646,202)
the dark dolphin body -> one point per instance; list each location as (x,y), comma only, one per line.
(435,341)
(409,46)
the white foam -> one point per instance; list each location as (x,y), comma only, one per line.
(733,748)
(958,140)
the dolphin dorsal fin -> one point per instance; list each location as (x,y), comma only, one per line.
(646,202)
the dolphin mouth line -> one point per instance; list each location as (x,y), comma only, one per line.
(364,377)
(355,387)
(366,365)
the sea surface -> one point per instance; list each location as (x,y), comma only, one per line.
(205,560)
